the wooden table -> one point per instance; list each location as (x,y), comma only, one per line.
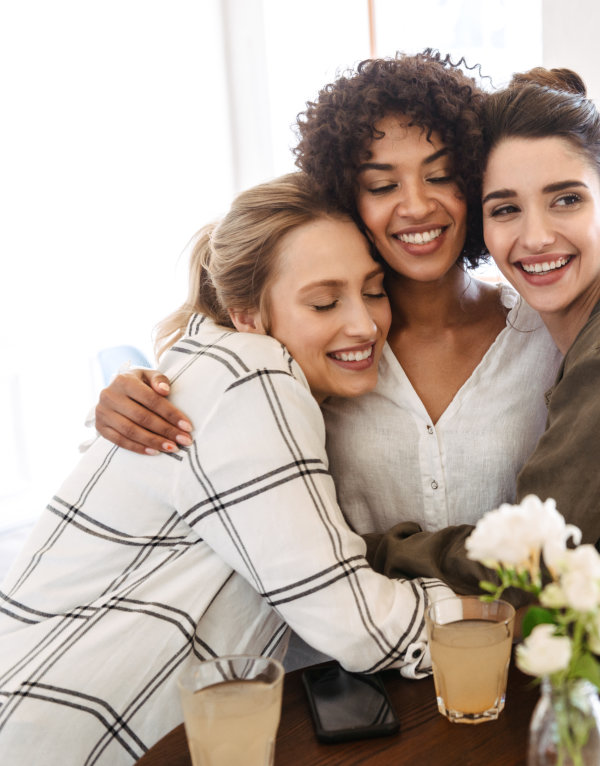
(426,738)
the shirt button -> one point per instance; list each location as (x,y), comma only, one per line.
(429,429)
(434,484)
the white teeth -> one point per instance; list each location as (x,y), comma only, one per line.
(420,237)
(538,268)
(353,356)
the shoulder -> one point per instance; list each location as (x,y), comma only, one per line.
(242,383)
(235,354)
(586,346)
(579,376)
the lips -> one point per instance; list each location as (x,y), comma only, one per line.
(354,359)
(545,267)
(352,356)
(419,237)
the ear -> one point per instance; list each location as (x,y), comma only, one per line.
(247,321)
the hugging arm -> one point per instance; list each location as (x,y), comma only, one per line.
(272,515)
(406,551)
(134,412)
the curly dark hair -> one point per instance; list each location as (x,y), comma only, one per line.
(432,91)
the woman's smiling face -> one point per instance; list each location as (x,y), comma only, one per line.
(541,210)
(327,305)
(410,202)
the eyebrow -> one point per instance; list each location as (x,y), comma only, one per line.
(337,282)
(548,189)
(388,166)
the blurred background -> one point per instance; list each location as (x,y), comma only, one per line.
(127,124)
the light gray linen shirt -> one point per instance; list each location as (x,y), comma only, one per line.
(391,464)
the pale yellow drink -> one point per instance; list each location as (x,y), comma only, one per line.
(233,723)
(470,643)
(470,660)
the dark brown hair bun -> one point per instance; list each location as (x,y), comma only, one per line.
(557,79)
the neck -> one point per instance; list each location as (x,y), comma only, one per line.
(565,326)
(430,304)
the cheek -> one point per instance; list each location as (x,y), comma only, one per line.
(459,208)
(382,317)
(370,214)
(493,239)
(308,340)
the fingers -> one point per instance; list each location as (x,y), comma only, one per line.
(132,415)
(159,382)
(131,386)
(139,384)
(122,441)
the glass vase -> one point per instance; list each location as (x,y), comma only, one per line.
(565,726)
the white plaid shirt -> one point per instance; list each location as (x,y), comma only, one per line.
(139,565)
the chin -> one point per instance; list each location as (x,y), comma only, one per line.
(351,392)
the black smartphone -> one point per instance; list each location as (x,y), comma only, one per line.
(347,706)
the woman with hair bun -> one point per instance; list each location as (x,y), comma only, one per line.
(541,218)
(132,573)
(541,212)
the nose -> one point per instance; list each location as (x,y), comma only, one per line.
(414,201)
(536,232)
(358,321)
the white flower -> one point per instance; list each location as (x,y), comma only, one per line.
(579,571)
(553,596)
(515,535)
(542,653)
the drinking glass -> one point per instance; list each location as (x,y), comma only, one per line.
(231,709)
(470,642)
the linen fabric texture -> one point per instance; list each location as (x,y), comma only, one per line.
(392,464)
(141,565)
(563,466)
(565,462)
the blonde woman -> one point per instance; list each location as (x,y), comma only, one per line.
(138,567)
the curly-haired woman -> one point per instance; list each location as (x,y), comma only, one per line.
(459,405)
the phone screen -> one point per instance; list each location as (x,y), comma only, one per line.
(348,705)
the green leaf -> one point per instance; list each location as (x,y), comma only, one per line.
(488,586)
(586,666)
(536,615)
(488,599)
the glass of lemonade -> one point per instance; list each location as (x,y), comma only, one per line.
(470,642)
(231,709)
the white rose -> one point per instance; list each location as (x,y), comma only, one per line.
(543,653)
(553,596)
(547,530)
(514,535)
(498,537)
(585,559)
(579,571)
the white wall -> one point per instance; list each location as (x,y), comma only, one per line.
(114,149)
(570,39)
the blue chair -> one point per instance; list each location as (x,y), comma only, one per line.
(111,359)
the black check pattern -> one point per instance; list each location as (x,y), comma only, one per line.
(140,565)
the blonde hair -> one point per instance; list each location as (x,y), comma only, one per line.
(233,262)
